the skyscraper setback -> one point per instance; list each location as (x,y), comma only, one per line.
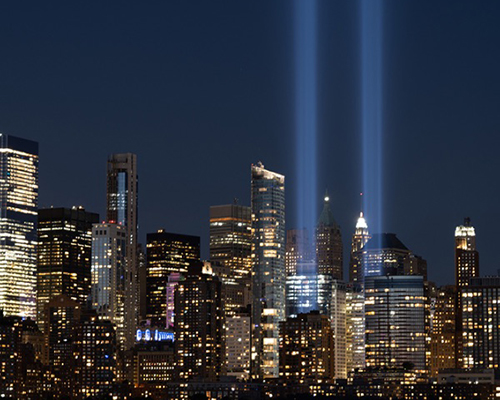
(268,248)
(122,209)
(18,223)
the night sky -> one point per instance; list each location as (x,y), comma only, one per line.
(202,89)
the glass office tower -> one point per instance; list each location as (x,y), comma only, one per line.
(18,223)
(268,251)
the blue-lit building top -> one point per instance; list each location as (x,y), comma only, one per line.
(384,254)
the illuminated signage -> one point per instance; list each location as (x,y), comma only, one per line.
(153,334)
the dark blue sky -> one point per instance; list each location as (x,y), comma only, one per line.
(200,90)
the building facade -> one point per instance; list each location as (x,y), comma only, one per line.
(355,328)
(109,243)
(395,322)
(298,250)
(18,225)
(268,270)
(238,341)
(64,253)
(199,325)
(122,209)
(384,254)
(167,253)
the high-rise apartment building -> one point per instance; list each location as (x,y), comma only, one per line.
(122,209)
(268,271)
(199,325)
(395,322)
(355,328)
(64,252)
(443,330)
(108,276)
(238,340)
(481,323)
(359,239)
(329,249)
(18,225)
(306,351)
(167,253)
(297,250)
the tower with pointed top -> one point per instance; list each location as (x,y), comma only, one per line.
(329,251)
(359,239)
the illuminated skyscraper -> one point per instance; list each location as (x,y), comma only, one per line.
(231,252)
(395,321)
(359,239)
(18,220)
(329,249)
(443,331)
(108,276)
(355,328)
(466,255)
(199,325)
(268,271)
(122,209)
(481,323)
(298,249)
(166,253)
(64,252)
(238,339)
(307,347)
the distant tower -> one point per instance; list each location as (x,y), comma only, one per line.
(64,252)
(18,221)
(122,209)
(384,254)
(329,250)
(268,274)
(359,239)
(466,255)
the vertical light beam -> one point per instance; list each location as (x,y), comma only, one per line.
(372,108)
(305,113)
(305,21)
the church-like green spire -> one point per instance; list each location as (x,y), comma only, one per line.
(326,218)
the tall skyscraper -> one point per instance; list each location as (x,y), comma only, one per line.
(199,325)
(231,252)
(355,328)
(481,323)
(466,255)
(359,239)
(108,276)
(306,348)
(395,321)
(466,268)
(122,209)
(18,225)
(64,252)
(329,249)
(268,271)
(167,253)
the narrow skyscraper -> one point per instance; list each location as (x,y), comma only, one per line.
(466,255)
(359,239)
(329,250)
(122,198)
(18,225)
(268,274)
